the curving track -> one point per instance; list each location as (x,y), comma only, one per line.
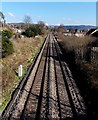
(48,90)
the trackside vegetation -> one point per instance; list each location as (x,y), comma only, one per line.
(32,31)
(78,56)
(7,46)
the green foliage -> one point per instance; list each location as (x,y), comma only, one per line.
(29,32)
(32,31)
(7,33)
(7,46)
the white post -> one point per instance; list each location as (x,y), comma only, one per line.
(20,70)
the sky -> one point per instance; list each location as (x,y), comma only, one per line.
(53,13)
(49,0)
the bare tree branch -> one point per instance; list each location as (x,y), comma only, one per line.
(27,20)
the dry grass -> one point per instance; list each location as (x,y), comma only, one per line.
(24,52)
(80,45)
(73,42)
(92,74)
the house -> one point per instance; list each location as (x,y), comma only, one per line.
(17,31)
(68,34)
(79,34)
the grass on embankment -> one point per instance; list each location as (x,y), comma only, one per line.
(24,51)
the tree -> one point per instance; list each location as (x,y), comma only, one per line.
(72,30)
(27,20)
(43,27)
(2,18)
(41,23)
(29,32)
(7,33)
(7,46)
(32,31)
(61,28)
(62,25)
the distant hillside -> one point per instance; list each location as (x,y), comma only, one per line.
(81,27)
(16,23)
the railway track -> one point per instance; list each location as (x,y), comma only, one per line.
(48,91)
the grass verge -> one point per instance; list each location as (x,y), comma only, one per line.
(25,50)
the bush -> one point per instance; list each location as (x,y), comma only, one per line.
(29,32)
(32,31)
(7,33)
(7,47)
(80,47)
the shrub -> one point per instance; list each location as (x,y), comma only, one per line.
(29,32)
(7,47)
(7,33)
(36,30)
(32,31)
(80,47)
